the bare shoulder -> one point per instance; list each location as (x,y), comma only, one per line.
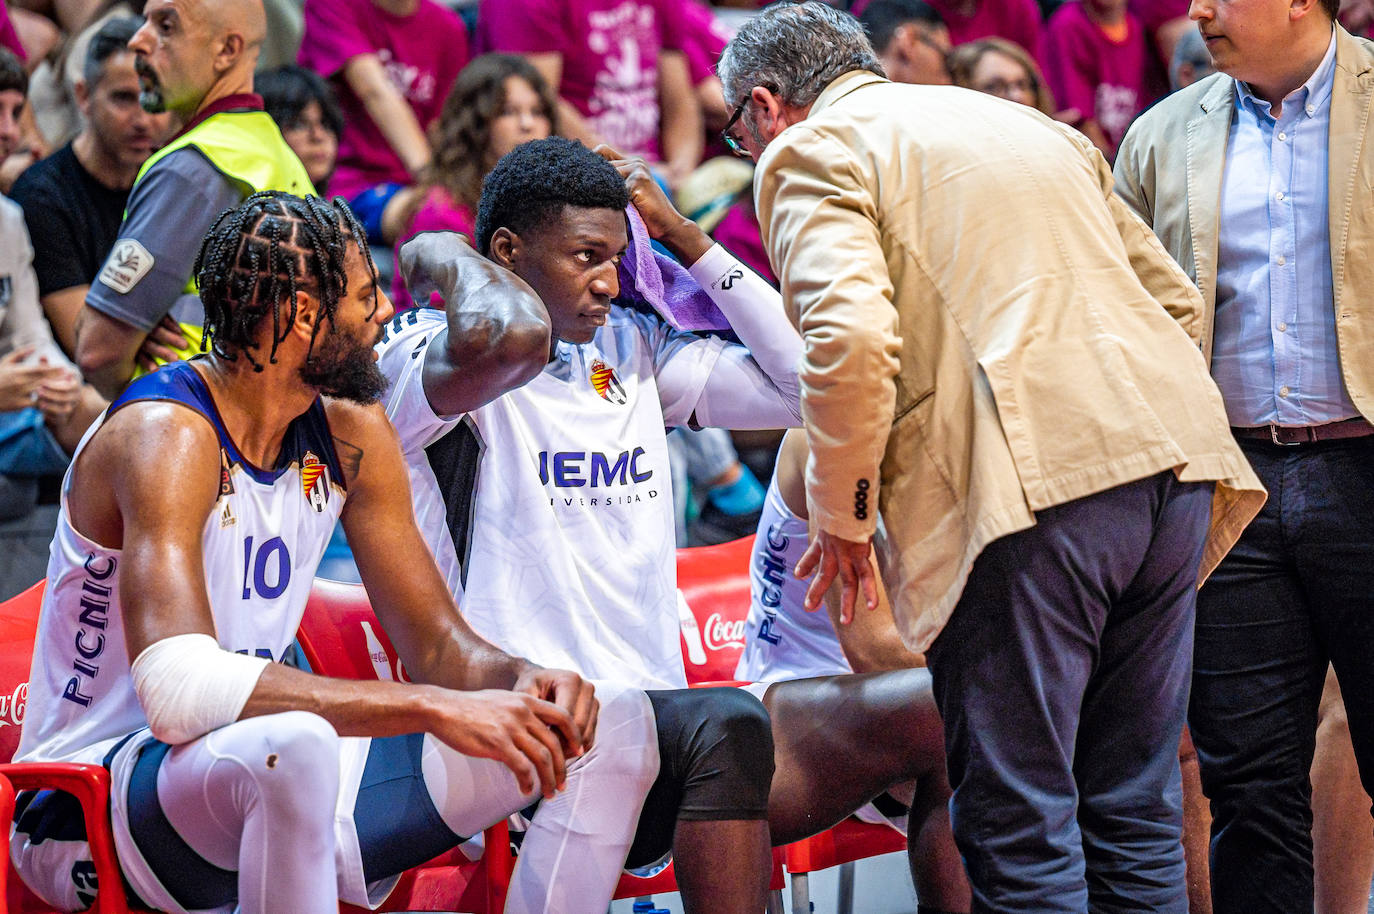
(360,431)
(140,455)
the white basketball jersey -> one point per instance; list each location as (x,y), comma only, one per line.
(262,542)
(781,639)
(550,510)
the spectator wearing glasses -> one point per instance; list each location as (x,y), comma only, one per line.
(999,67)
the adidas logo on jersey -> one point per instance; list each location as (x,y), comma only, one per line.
(226,517)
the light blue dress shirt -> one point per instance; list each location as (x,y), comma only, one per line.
(1274,352)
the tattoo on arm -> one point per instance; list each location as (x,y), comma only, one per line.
(350,457)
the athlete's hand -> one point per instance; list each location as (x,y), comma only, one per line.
(524,733)
(679,234)
(162,343)
(570,692)
(828,556)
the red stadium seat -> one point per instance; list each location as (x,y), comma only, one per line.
(714,581)
(6,815)
(840,845)
(90,784)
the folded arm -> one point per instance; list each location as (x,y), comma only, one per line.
(498,334)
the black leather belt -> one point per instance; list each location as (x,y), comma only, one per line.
(1307,434)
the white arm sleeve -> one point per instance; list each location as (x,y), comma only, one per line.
(754,385)
(189,685)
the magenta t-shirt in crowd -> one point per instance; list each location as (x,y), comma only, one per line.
(438,212)
(1102,78)
(422,53)
(703,40)
(609,54)
(1014,20)
(9,38)
(1154,13)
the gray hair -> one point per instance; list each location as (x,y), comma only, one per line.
(796,49)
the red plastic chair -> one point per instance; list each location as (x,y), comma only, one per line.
(6,815)
(841,845)
(341,637)
(714,581)
(90,784)
(453,884)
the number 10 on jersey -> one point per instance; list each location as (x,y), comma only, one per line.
(257,565)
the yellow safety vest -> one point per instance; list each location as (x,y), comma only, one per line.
(247,148)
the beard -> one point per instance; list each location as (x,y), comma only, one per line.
(150,97)
(341,366)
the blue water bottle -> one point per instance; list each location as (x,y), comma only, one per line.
(646,906)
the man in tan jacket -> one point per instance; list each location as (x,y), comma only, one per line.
(998,360)
(1258,181)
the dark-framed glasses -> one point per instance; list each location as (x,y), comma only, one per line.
(731,142)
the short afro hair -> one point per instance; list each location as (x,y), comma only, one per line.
(532,183)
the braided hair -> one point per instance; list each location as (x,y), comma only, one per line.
(257,256)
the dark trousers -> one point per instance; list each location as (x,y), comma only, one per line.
(1295,592)
(1062,677)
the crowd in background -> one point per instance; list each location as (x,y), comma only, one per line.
(403,106)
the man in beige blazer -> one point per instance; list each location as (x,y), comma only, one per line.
(1260,181)
(998,361)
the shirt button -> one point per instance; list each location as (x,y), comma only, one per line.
(1283,391)
(1282,136)
(1282,260)
(1311,109)
(1283,328)
(1279,196)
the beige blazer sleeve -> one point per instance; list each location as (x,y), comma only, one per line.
(820,223)
(1156,269)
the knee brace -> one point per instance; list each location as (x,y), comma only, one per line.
(716,764)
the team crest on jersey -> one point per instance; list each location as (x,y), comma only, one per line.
(605,383)
(315,481)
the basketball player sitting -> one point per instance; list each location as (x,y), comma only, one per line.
(534,432)
(192,520)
